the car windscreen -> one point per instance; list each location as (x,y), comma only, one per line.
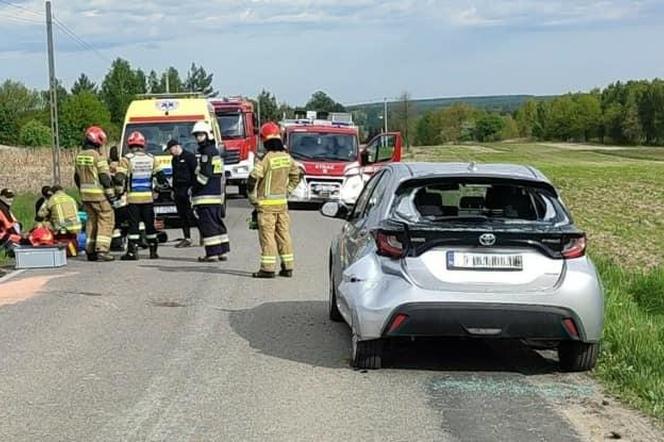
(157,135)
(232,125)
(468,202)
(323,146)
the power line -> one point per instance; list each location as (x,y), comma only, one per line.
(18,19)
(79,40)
(23,8)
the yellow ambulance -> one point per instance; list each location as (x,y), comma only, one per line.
(160,118)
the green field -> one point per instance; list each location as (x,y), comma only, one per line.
(617,196)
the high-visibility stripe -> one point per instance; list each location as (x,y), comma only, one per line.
(207,200)
(104,240)
(91,188)
(117,233)
(287,258)
(134,237)
(85,160)
(202,179)
(213,240)
(276,202)
(152,236)
(268,259)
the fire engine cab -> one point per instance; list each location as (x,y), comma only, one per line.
(335,166)
(239,133)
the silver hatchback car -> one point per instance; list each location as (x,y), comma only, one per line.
(464,250)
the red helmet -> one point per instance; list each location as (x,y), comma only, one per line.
(270,131)
(41,236)
(136,139)
(95,135)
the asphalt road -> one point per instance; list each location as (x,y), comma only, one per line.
(177,350)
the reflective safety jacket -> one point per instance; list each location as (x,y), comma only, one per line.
(208,190)
(272,179)
(92,176)
(138,169)
(61,212)
(9,231)
(118,174)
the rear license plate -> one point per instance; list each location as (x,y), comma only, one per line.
(165,210)
(484,261)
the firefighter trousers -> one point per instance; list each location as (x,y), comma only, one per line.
(99,227)
(275,239)
(142,213)
(213,230)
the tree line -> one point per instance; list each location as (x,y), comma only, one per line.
(25,113)
(630,113)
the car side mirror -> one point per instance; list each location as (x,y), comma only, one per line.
(335,209)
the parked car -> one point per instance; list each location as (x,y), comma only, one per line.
(463,250)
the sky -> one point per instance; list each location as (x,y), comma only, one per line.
(356,50)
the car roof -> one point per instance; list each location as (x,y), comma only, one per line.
(497,170)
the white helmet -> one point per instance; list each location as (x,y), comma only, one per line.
(203,127)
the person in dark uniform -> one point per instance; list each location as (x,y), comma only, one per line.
(208,195)
(184,164)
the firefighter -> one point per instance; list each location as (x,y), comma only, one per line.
(184,165)
(93,179)
(208,195)
(46,193)
(120,206)
(60,214)
(137,171)
(10,230)
(273,178)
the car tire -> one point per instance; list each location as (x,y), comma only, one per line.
(367,355)
(335,314)
(577,356)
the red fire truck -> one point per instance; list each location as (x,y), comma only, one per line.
(239,132)
(335,166)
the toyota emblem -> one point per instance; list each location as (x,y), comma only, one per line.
(487,239)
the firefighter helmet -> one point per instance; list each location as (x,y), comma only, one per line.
(270,131)
(96,136)
(136,139)
(41,236)
(203,127)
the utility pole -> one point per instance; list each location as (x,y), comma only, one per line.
(53,95)
(168,81)
(385,114)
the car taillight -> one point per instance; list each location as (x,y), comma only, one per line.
(389,245)
(575,247)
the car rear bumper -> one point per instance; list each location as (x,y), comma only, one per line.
(483,321)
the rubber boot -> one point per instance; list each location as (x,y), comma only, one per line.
(132,252)
(284,273)
(105,257)
(92,256)
(261,274)
(153,251)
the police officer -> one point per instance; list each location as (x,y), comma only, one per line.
(141,169)
(93,179)
(208,195)
(183,164)
(269,184)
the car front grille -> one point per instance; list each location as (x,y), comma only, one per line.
(232,157)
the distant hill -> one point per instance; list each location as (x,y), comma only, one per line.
(498,103)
